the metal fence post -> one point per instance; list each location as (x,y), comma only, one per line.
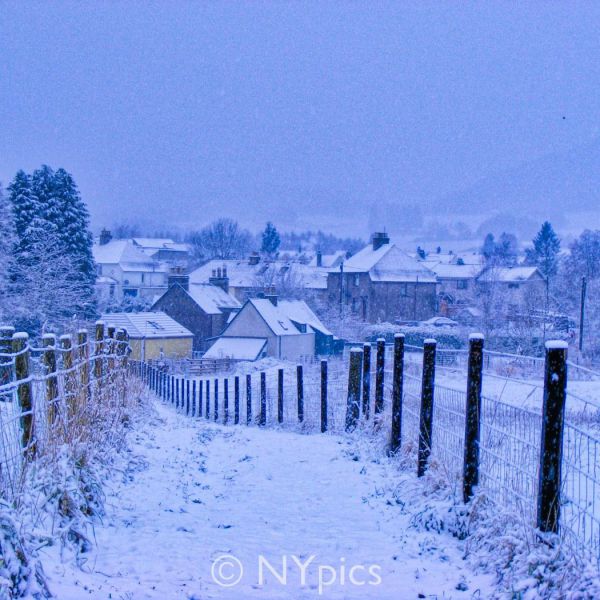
(20,348)
(555,395)
(236,400)
(187,397)
(473,416)
(300,392)
(207,390)
(366,381)
(194,398)
(379,376)
(262,418)
(248,399)
(426,417)
(216,401)
(353,401)
(397,391)
(280,396)
(324,377)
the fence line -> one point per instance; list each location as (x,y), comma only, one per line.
(479,443)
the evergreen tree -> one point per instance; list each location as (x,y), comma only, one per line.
(507,249)
(270,240)
(489,247)
(544,254)
(25,206)
(7,240)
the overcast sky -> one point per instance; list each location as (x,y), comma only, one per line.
(182,112)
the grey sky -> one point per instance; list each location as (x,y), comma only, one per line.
(301,112)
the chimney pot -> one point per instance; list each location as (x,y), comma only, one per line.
(380,239)
(319,259)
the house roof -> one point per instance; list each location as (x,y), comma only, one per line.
(510,274)
(299,312)
(147,325)
(237,348)
(329,260)
(454,271)
(119,251)
(388,264)
(211,298)
(155,243)
(277,321)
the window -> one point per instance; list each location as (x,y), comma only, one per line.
(353,305)
(513,286)
(403,289)
(131,292)
(462,284)
(142,278)
(111,290)
(357,280)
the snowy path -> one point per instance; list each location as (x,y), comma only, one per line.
(208,490)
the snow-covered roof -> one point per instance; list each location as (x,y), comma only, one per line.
(119,251)
(510,274)
(329,261)
(299,312)
(104,280)
(237,348)
(453,271)
(211,298)
(388,263)
(244,275)
(155,243)
(147,325)
(276,319)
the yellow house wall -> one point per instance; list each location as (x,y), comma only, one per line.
(171,348)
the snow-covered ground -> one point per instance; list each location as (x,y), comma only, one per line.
(195,491)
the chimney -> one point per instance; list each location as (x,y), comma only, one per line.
(105,237)
(319,259)
(254,259)
(177,276)
(271,296)
(220,279)
(380,239)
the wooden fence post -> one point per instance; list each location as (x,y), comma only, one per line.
(236,401)
(379,376)
(20,348)
(473,416)
(300,392)
(216,401)
(111,350)
(262,417)
(248,399)
(353,401)
(280,396)
(225,400)
(426,417)
(83,357)
(99,354)
(324,423)
(553,417)
(66,344)
(6,343)
(397,391)
(366,381)
(49,360)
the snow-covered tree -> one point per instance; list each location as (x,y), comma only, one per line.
(224,239)
(7,240)
(24,205)
(270,240)
(545,251)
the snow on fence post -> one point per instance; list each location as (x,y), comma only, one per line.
(366,381)
(49,362)
(20,348)
(300,392)
(194,398)
(426,416)
(262,417)
(83,356)
(280,396)
(236,400)
(66,344)
(216,401)
(553,415)
(6,335)
(99,352)
(397,391)
(379,376)
(353,401)
(324,424)
(226,400)
(473,416)
(248,399)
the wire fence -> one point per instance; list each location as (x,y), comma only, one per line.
(55,394)
(510,438)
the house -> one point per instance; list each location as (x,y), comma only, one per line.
(203,308)
(153,335)
(456,283)
(383,283)
(250,277)
(123,270)
(286,329)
